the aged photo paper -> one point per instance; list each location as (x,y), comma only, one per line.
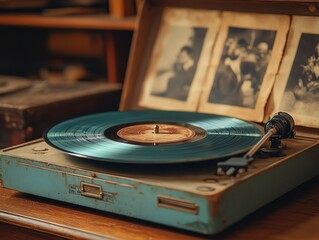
(244,63)
(179,59)
(296,89)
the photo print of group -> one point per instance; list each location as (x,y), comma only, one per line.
(230,67)
(242,67)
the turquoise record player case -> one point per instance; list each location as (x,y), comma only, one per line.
(187,196)
(190,196)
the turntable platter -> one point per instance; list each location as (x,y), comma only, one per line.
(153,136)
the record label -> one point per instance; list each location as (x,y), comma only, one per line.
(156,133)
(153,136)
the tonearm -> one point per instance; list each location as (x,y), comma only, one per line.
(280,126)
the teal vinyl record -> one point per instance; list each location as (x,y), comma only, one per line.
(153,137)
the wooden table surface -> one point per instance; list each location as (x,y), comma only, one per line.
(293,216)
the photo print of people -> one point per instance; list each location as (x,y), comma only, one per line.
(179,59)
(242,67)
(296,90)
(244,63)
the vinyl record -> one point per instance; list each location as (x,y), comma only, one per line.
(153,136)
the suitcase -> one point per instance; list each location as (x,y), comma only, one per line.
(27,112)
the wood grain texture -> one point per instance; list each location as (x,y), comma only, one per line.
(121,8)
(25,115)
(293,216)
(294,7)
(88,22)
(12,232)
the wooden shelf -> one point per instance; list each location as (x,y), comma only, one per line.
(89,22)
(117,32)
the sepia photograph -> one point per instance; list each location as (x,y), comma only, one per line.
(246,58)
(179,59)
(242,67)
(174,78)
(297,90)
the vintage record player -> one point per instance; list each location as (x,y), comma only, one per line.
(196,170)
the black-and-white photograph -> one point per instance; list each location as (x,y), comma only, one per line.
(245,60)
(302,90)
(242,67)
(179,60)
(178,63)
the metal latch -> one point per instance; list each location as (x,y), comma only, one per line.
(91,190)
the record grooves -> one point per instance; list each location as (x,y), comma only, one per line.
(150,137)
